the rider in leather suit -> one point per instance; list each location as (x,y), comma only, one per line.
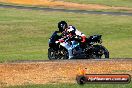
(70,31)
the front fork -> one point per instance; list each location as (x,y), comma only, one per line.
(70,46)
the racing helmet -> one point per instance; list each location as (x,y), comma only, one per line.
(62,25)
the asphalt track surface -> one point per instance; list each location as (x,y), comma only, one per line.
(65,10)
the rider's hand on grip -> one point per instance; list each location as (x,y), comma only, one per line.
(61,40)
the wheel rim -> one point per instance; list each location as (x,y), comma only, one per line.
(51,54)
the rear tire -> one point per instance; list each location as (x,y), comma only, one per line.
(106,52)
(100,52)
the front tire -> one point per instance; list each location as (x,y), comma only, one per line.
(51,54)
(64,53)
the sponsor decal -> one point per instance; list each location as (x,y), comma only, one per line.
(83,78)
(103,78)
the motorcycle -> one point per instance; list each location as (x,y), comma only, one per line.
(92,49)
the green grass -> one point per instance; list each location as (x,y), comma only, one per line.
(82,2)
(24,33)
(124,3)
(76,86)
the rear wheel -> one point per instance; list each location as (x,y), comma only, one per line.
(99,52)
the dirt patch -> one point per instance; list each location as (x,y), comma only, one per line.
(62,4)
(63,71)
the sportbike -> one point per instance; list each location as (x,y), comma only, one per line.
(93,48)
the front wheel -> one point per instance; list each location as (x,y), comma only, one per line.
(99,52)
(64,53)
(51,54)
(57,54)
